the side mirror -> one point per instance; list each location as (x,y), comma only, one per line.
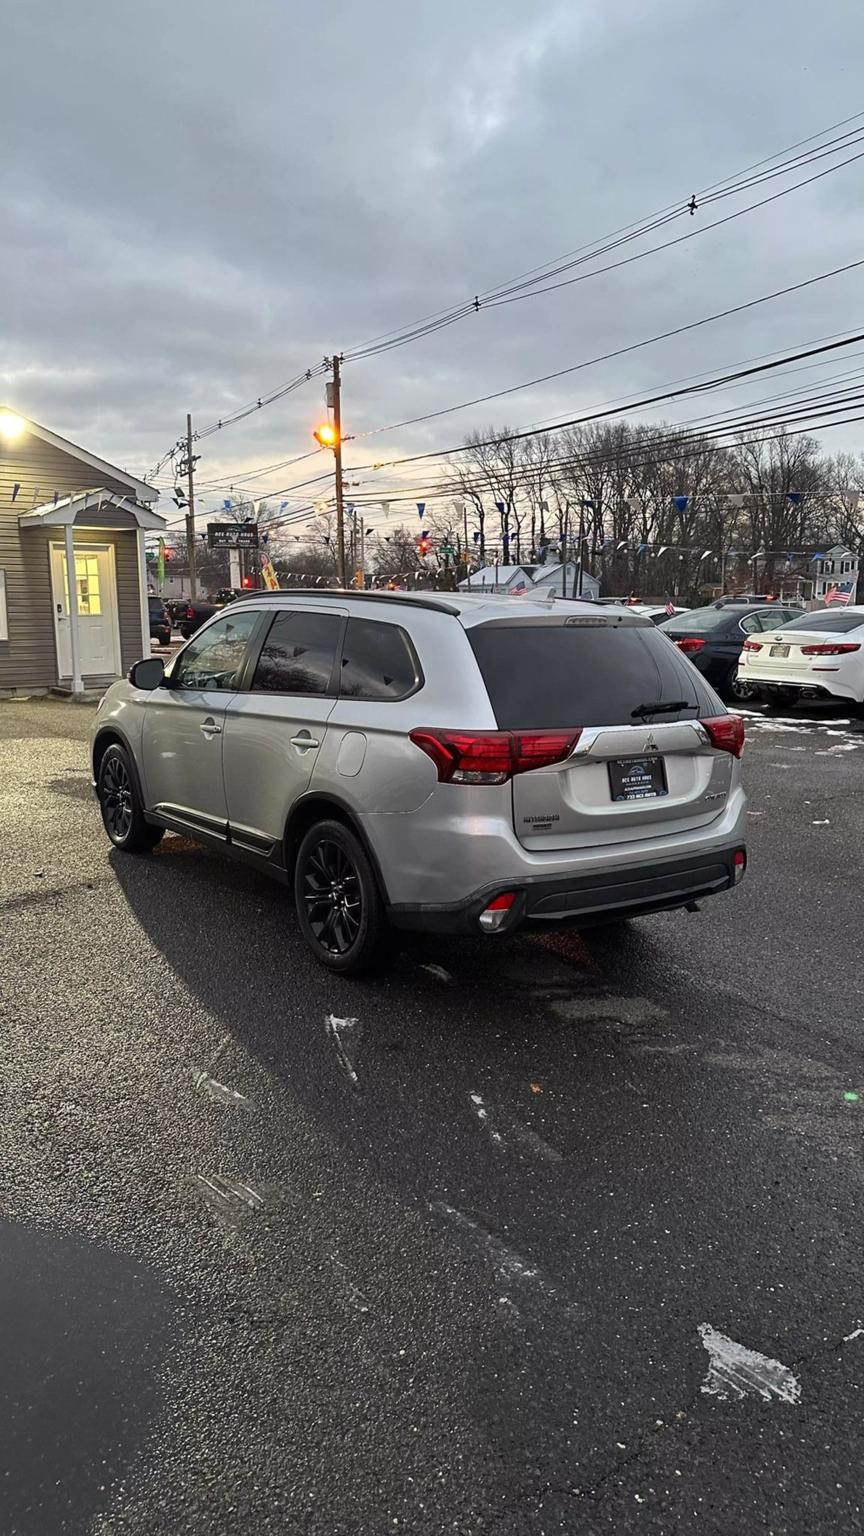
(147,674)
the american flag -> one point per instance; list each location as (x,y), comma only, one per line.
(670,607)
(842,595)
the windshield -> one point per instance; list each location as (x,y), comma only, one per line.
(836,623)
(551,676)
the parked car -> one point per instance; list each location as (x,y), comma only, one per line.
(713,638)
(817,655)
(658,613)
(197,612)
(200,609)
(160,623)
(177,608)
(464,764)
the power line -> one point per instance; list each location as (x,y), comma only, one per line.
(530,283)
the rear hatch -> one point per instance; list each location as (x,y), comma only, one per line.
(814,642)
(642,764)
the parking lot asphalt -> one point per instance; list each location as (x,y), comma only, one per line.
(558,1235)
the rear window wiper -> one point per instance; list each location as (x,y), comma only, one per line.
(642,710)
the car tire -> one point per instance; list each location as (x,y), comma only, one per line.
(339,907)
(735,688)
(121,806)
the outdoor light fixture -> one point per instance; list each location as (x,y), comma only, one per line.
(326,435)
(11,426)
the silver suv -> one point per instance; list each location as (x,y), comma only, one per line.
(460,764)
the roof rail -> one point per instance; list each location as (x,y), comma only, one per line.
(345,594)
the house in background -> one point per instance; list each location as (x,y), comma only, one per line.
(63,508)
(563,579)
(838,567)
(528,578)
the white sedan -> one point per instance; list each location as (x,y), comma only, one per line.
(819,654)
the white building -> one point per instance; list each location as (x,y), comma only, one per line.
(837,568)
(527,578)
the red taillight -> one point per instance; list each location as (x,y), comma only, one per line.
(190,613)
(726,733)
(492,757)
(752,645)
(828,650)
(690,646)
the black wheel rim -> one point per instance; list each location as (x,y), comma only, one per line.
(740,689)
(116,798)
(332,898)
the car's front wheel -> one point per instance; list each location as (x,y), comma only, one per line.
(120,804)
(339,906)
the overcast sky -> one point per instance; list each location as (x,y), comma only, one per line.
(201,197)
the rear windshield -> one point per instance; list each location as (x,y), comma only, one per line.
(701,620)
(542,676)
(837,623)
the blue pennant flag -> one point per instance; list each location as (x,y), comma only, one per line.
(227,503)
(680,503)
(476,537)
(795,498)
(421,508)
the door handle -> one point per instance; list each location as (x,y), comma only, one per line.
(210,728)
(304,741)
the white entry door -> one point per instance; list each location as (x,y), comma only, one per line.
(96,595)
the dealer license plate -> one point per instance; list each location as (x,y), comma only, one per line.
(637,778)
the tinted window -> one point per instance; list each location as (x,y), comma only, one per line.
(699,621)
(840,623)
(298,653)
(378,661)
(552,676)
(213,659)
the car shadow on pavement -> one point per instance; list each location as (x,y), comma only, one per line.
(83,1333)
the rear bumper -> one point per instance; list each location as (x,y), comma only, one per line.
(582,901)
(819,685)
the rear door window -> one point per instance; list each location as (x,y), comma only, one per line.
(550,676)
(298,654)
(378,661)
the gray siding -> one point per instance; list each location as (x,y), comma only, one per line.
(28,659)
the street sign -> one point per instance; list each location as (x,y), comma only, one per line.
(232,535)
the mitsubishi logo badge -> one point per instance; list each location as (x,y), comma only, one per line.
(651,744)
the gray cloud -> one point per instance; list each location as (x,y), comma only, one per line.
(205,198)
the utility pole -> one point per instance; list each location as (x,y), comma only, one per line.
(190,512)
(337,454)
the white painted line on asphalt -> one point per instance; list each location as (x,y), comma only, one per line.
(229,1199)
(734,1371)
(855,1334)
(509,1265)
(820,823)
(336,1029)
(217,1091)
(437,971)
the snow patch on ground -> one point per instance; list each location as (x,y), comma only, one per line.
(735,1371)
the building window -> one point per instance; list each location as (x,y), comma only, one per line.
(86,586)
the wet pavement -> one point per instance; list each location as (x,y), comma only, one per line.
(552,1236)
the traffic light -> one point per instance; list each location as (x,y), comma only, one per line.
(326,435)
(246,582)
(423,545)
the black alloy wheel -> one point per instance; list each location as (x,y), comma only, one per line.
(736,688)
(339,908)
(120,804)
